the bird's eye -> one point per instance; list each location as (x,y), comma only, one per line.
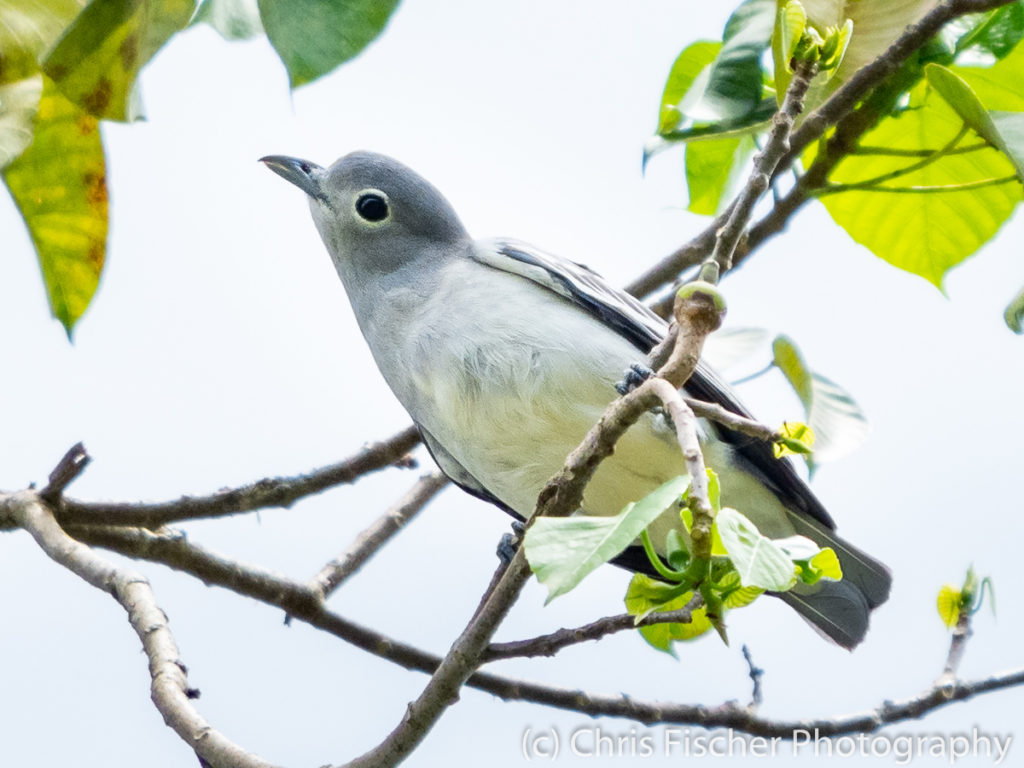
(372,206)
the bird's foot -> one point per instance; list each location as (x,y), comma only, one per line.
(509,544)
(633,377)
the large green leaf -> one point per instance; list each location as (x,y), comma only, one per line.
(18,103)
(60,188)
(99,56)
(312,37)
(233,19)
(959,95)
(996,31)
(999,86)
(924,232)
(733,85)
(690,65)
(713,169)
(563,550)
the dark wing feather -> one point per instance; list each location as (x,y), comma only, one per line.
(639,325)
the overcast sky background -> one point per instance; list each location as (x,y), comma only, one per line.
(221,349)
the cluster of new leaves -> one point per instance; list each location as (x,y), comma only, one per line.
(935,165)
(67,64)
(744,563)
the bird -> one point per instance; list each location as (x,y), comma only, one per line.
(505,356)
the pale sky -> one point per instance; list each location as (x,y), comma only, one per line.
(221,349)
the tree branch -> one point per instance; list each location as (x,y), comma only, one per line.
(169,685)
(303,603)
(269,492)
(379,533)
(835,109)
(550,644)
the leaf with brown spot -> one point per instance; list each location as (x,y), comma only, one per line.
(97,60)
(59,184)
(27,29)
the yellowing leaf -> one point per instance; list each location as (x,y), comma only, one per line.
(826,563)
(99,56)
(949,603)
(59,184)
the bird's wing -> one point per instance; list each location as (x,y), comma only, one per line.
(638,324)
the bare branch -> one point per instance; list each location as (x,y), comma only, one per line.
(169,688)
(756,673)
(550,644)
(378,534)
(765,163)
(301,602)
(269,492)
(68,468)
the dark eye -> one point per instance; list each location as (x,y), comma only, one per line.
(372,206)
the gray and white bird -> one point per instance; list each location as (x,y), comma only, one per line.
(504,356)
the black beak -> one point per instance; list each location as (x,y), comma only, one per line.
(302,173)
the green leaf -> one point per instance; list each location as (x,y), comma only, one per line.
(792,23)
(787,358)
(233,19)
(876,25)
(98,58)
(734,83)
(998,86)
(1014,314)
(962,99)
(734,594)
(563,550)
(826,563)
(948,604)
(27,29)
(59,184)
(18,103)
(837,423)
(797,438)
(758,560)
(676,552)
(729,346)
(646,595)
(713,169)
(688,66)
(923,233)
(996,32)
(312,37)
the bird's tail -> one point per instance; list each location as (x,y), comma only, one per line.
(840,610)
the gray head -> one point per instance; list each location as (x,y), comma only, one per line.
(374,214)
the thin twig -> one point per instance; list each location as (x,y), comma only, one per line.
(269,492)
(765,163)
(379,533)
(755,673)
(169,688)
(71,465)
(550,644)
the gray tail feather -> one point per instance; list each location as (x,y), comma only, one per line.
(836,610)
(841,609)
